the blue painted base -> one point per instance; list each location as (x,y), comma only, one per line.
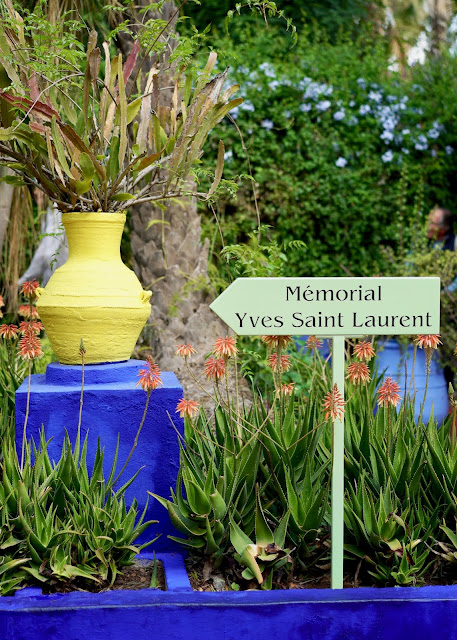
(395,613)
(112,405)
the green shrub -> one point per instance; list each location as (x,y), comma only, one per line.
(329,129)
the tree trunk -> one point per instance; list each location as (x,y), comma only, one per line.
(440,17)
(170,259)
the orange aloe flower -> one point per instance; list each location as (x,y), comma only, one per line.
(30,346)
(150,377)
(314,343)
(215,368)
(286,389)
(279,364)
(225,347)
(34,326)
(29,288)
(333,404)
(8,331)
(358,372)
(185,350)
(24,311)
(276,341)
(388,393)
(2,303)
(428,342)
(187,408)
(364,351)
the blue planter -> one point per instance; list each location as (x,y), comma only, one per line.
(180,613)
(324,351)
(391,358)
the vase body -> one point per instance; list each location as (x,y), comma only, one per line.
(93,296)
(394,358)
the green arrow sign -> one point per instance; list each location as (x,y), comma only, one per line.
(331,306)
(337,307)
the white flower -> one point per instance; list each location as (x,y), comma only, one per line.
(387,156)
(376,96)
(341,162)
(304,108)
(323,105)
(339,115)
(421,143)
(387,135)
(364,109)
(267,124)
(353,120)
(352,103)
(433,153)
(314,90)
(433,133)
(449,150)
(228,155)
(361,82)
(304,83)
(247,106)
(274,84)
(268,69)
(287,113)
(405,150)
(405,132)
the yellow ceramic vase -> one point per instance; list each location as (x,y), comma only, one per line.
(93,296)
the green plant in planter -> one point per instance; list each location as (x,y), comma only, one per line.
(250,483)
(389,534)
(91,130)
(61,526)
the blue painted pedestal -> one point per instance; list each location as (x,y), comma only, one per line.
(112,405)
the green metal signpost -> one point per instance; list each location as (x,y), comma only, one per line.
(336,308)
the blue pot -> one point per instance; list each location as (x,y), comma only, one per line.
(391,358)
(324,351)
(179,613)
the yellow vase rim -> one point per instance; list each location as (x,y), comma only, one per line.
(93,215)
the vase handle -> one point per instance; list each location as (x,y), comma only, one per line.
(39,291)
(145,296)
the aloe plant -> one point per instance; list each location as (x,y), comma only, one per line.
(59,523)
(391,535)
(255,497)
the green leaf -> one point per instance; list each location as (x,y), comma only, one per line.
(113,162)
(132,110)
(123,113)
(198,502)
(121,197)
(60,148)
(86,166)
(218,504)
(263,533)
(219,169)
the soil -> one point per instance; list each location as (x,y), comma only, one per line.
(203,577)
(134,577)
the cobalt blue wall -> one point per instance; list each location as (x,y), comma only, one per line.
(112,405)
(423,613)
